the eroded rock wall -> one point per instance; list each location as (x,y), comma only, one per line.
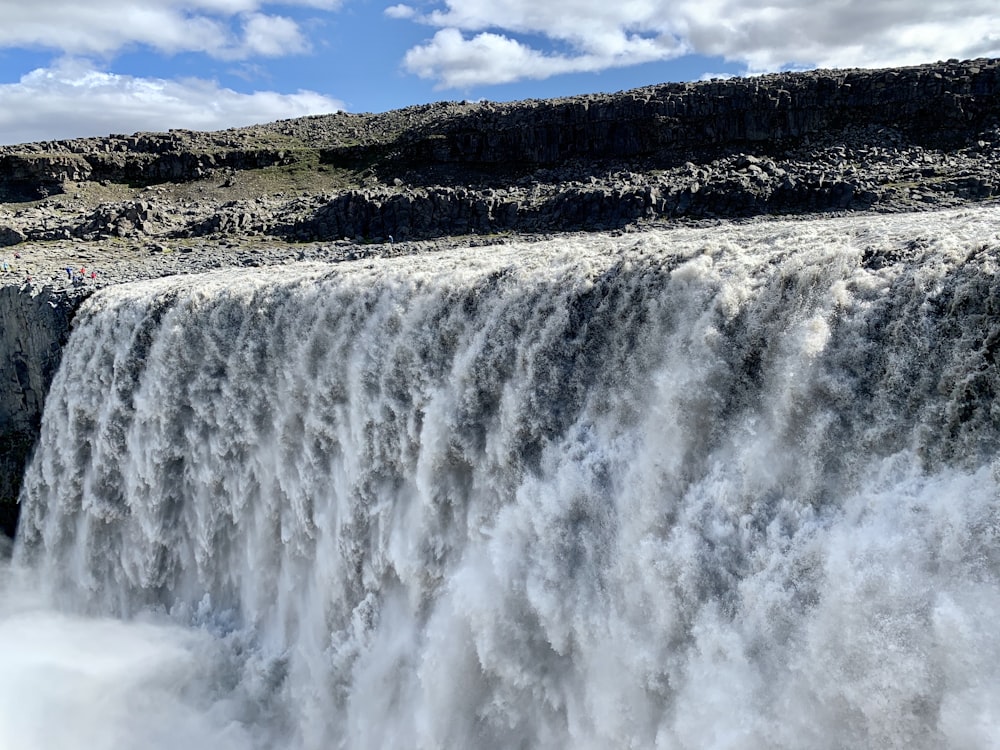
(34,325)
(941,105)
(937,105)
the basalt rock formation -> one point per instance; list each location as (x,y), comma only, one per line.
(791,143)
(342,185)
(35,326)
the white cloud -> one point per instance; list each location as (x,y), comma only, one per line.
(319,4)
(477,41)
(400,11)
(491,58)
(272,36)
(74,99)
(228,29)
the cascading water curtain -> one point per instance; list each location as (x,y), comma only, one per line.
(727,487)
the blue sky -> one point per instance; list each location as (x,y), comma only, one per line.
(71,69)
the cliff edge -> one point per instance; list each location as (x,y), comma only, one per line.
(79,214)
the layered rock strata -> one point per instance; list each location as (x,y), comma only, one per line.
(34,324)
(792,143)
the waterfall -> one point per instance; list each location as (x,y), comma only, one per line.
(716,487)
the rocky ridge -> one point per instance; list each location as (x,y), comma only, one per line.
(343,186)
(898,139)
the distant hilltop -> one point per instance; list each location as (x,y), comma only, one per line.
(895,139)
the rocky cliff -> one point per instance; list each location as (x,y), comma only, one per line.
(343,185)
(791,143)
(34,324)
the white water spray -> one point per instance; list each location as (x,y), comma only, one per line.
(731,487)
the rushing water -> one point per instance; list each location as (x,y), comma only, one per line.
(733,487)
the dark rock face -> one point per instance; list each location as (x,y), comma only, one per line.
(34,325)
(35,175)
(935,106)
(10,236)
(939,106)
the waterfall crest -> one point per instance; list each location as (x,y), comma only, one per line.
(721,487)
